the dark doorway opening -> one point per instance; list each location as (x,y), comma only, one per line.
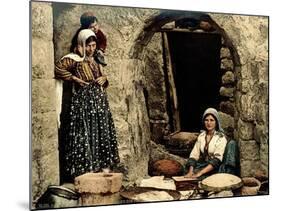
(64,129)
(196,66)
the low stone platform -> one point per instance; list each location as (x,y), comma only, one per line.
(98,183)
(99,188)
(180,143)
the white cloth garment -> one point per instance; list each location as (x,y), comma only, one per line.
(216,146)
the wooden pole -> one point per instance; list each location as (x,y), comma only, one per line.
(172,86)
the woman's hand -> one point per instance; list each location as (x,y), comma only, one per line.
(189,174)
(101,80)
(192,175)
(79,81)
(198,174)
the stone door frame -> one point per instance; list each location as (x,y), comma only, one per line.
(230,63)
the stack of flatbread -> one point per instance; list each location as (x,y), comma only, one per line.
(221,182)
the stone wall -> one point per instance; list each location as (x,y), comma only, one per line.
(126,92)
(244,86)
(156,88)
(137,86)
(249,35)
(45,163)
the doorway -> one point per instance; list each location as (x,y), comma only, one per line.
(196,67)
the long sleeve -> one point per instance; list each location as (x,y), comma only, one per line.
(63,68)
(194,155)
(218,152)
(220,148)
(102,41)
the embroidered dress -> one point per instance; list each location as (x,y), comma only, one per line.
(91,142)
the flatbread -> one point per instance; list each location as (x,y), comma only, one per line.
(220,182)
(184,179)
(153,196)
(158,182)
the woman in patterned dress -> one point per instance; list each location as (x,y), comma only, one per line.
(91,144)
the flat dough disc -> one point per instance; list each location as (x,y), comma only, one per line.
(220,182)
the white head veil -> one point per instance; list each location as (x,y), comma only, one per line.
(215,113)
(81,41)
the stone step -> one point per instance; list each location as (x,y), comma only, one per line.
(180,143)
(98,183)
(181,139)
(184,152)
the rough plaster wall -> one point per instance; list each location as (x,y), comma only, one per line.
(125,75)
(155,80)
(45,165)
(249,35)
(156,88)
(127,79)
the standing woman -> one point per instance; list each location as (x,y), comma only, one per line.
(91,144)
(208,151)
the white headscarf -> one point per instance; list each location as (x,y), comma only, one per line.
(81,41)
(215,113)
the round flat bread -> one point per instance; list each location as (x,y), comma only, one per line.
(153,196)
(220,182)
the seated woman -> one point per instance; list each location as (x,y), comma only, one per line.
(208,151)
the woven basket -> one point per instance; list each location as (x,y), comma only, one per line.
(251,186)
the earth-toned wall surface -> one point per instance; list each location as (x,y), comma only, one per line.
(137,93)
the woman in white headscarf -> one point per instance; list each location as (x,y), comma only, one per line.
(91,143)
(208,151)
